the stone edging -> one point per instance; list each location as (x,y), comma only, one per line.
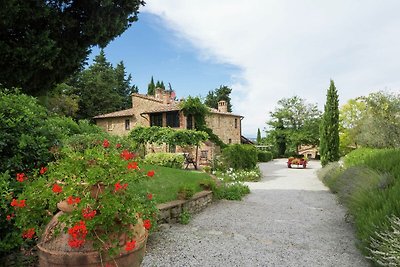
(171,211)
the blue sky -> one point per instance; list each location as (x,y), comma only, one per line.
(265,50)
(149,49)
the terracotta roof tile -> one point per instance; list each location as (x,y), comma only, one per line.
(121,113)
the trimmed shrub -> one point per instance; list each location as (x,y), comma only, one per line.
(240,157)
(171,160)
(264,156)
(369,185)
(233,191)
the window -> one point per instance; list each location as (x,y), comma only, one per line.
(127,124)
(236,123)
(189,122)
(156,119)
(230,141)
(173,119)
(110,125)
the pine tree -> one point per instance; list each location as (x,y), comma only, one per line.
(258,136)
(151,89)
(123,88)
(329,130)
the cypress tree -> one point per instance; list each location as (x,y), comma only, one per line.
(329,130)
(151,87)
(258,136)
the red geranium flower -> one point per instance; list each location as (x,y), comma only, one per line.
(130,245)
(18,203)
(77,234)
(118,186)
(125,154)
(43,170)
(28,234)
(21,177)
(118,145)
(57,188)
(132,165)
(9,217)
(150,196)
(71,200)
(150,173)
(106,143)
(147,224)
(88,214)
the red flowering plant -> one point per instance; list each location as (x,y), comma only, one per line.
(100,190)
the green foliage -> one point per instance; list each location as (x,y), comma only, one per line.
(192,106)
(186,192)
(171,160)
(329,130)
(385,246)
(44,42)
(258,136)
(370,121)
(294,123)
(106,179)
(264,156)
(23,144)
(231,191)
(369,185)
(219,94)
(101,88)
(160,135)
(151,88)
(185,217)
(240,157)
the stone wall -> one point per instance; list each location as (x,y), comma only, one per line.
(171,211)
(225,127)
(116,125)
(142,104)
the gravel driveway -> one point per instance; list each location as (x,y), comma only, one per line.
(289,219)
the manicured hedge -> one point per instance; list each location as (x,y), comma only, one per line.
(264,156)
(240,157)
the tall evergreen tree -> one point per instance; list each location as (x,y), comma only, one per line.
(329,130)
(151,88)
(123,89)
(258,136)
(96,89)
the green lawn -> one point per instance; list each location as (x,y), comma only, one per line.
(166,182)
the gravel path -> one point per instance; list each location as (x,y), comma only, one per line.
(289,219)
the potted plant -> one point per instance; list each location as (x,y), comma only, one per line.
(299,161)
(96,209)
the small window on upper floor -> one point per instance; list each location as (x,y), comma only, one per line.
(110,125)
(230,141)
(236,123)
(127,124)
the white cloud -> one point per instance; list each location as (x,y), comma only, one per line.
(291,47)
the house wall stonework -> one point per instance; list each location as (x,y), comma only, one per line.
(223,125)
(116,126)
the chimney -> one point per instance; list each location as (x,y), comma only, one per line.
(222,106)
(166,97)
(158,93)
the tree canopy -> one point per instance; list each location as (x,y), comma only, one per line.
(221,93)
(294,123)
(44,42)
(371,121)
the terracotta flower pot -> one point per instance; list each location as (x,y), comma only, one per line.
(55,251)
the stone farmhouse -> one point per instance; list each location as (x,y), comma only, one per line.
(163,110)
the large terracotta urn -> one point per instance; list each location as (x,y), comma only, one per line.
(53,249)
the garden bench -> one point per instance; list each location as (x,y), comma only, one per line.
(190,160)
